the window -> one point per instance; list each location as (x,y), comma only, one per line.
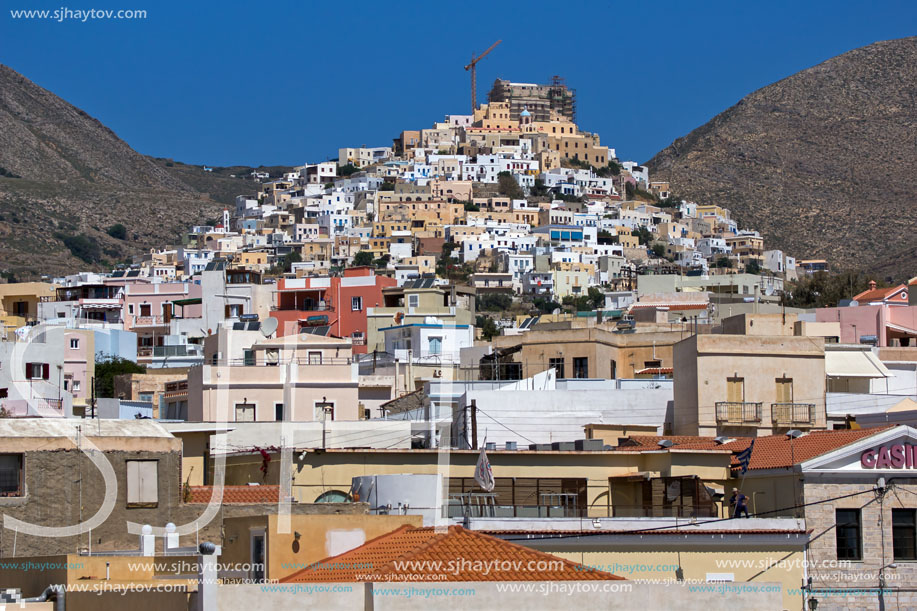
(315,357)
(146,397)
(142,483)
(848,534)
(436,345)
(278,412)
(356,304)
(74,344)
(784,390)
(145,309)
(324,410)
(558,365)
(580,367)
(248,358)
(413,301)
(10,474)
(75,386)
(735,390)
(614,370)
(37,371)
(245,412)
(904,533)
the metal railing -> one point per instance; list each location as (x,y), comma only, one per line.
(793,413)
(304,307)
(738,412)
(663,511)
(275,362)
(148,321)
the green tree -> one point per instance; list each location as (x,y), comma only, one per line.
(107,367)
(364,257)
(494,302)
(753,267)
(508,187)
(658,249)
(347,170)
(488,327)
(472,207)
(644,235)
(387,186)
(539,190)
(289,259)
(81,246)
(545,305)
(596,297)
(118,231)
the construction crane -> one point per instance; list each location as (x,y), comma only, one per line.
(472,66)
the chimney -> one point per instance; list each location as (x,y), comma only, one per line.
(872,285)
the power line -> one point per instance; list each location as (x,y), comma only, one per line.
(692,524)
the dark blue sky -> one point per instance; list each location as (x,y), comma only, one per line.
(288,82)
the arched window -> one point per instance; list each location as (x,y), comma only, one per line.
(333,496)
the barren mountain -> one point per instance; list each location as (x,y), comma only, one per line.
(65,179)
(823,163)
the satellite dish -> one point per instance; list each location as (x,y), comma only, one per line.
(269,326)
(769,290)
(556,311)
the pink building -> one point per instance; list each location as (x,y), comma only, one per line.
(891,325)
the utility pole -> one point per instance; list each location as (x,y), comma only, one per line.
(472,66)
(474,424)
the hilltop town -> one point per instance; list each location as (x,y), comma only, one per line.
(494,325)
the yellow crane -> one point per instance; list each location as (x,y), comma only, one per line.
(472,66)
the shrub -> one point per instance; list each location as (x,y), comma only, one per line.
(118,231)
(81,246)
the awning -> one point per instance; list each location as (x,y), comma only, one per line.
(900,328)
(854,364)
(184,302)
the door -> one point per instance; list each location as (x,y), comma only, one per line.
(257,556)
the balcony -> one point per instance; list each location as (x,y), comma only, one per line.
(738,412)
(150,321)
(793,414)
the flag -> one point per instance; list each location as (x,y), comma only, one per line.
(483,474)
(744,456)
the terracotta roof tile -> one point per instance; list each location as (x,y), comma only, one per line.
(455,554)
(879,294)
(234,495)
(771,452)
(776,451)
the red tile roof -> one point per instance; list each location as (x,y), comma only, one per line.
(642,443)
(454,554)
(235,495)
(880,294)
(771,452)
(776,451)
(672,306)
(654,371)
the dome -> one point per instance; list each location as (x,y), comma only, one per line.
(525,113)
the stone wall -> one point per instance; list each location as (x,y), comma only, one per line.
(847,580)
(63,487)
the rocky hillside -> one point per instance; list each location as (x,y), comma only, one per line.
(823,163)
(65,179)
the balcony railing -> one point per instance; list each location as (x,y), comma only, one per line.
(738,412)
(149,321)
(793,413)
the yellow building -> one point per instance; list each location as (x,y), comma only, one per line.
(19,302)
(748,385)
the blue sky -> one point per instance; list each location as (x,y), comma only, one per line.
(289,82)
